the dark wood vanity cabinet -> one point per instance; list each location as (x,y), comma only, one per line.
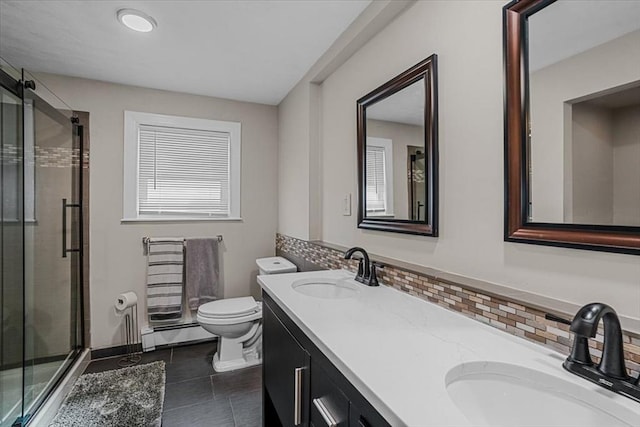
(301,387)
(288,366)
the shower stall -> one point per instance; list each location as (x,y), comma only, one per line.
(41,245)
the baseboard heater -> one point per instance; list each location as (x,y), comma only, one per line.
(160,336)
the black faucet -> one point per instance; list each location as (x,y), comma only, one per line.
(585,325)
(366,270)
(363,269)
(611,372)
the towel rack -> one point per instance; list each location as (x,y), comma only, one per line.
(145,242)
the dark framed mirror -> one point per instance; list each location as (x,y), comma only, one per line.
(572,124)
(398,153)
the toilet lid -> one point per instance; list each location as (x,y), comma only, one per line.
(229,307)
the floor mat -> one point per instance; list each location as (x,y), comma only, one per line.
(122,397)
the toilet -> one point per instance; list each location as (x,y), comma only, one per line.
(238,323)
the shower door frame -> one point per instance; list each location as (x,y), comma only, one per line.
(13,87)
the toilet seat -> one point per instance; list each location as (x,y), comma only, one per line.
(230,307)
(230,311)
(229,320)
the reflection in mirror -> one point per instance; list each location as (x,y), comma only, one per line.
(584,105)
(417,182)
(572,136)
(395,126)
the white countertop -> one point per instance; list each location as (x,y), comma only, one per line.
(396,349)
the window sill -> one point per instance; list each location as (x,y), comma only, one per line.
(178,219)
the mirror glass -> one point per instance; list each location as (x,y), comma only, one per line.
(395,156)
(584,113)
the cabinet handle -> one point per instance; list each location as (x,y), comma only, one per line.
(297,405)
(324,412)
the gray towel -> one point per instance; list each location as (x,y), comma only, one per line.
(203,272)
(164,278)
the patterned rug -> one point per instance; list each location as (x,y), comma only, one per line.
(122,397)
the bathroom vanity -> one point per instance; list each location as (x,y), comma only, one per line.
(337,352)
(301,384)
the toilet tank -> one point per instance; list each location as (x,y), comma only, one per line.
(275,265)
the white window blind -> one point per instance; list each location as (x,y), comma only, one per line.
(376,182)
(183,171)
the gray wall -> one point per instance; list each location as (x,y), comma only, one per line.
(605,167)
(117,261)
(592,165)
(551,89)
(467,36)
(626,166)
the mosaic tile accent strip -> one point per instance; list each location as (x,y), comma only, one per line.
(10,155)
(60,157)
(46,157)
(512,317)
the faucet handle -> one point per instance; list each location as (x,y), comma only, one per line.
(373,276)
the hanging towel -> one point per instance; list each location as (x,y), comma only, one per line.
(203,272)
(165,278)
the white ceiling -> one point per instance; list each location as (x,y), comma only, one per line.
(566,28)
(244,50)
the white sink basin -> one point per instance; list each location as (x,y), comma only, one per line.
(500,394)
(325,288)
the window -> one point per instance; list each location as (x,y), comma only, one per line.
(379,172)
(180,168)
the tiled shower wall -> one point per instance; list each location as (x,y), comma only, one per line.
(510,316)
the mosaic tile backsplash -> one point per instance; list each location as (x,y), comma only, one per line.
(512,317)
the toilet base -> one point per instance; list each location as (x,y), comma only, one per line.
(238,353)
(232,365)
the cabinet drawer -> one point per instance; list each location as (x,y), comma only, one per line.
(329,406)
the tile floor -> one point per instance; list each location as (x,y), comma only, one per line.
(196,395)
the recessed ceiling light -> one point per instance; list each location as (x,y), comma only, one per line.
(136,20)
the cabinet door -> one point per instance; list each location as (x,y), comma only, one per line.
(329,406)
(286,372)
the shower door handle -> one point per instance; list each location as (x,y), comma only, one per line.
(66,205)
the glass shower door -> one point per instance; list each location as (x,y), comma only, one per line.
(11,257)
(52,242)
